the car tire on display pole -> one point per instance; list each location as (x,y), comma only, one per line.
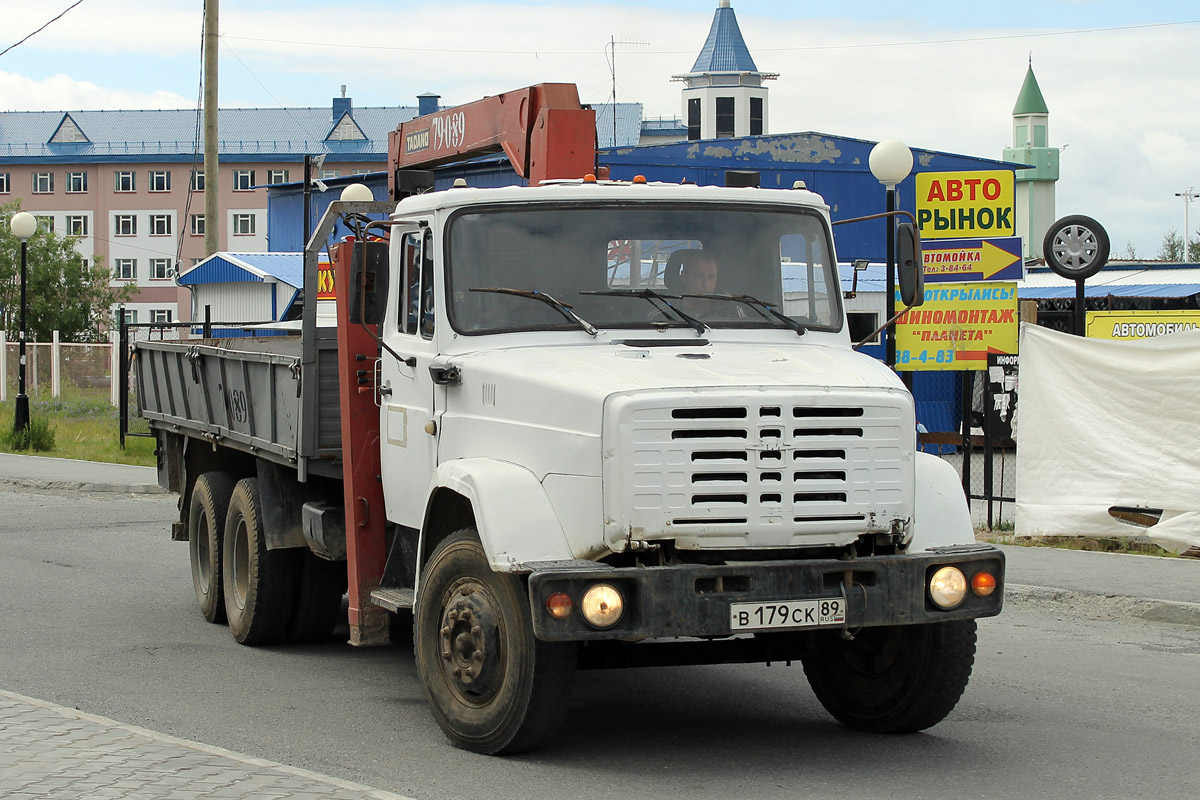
(1076,247)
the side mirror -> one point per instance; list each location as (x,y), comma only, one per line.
(368,284)
(910,268)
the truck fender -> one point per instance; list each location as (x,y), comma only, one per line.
(942,516)
(513,514)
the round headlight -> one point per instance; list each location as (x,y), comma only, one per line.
(947,587)
(602,605)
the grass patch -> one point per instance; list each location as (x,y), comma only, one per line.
(81,424)
(1114,544)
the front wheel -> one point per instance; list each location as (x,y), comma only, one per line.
(897,679)
(494,688)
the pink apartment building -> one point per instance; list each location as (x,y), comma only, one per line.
(130,184)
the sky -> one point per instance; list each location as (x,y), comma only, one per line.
(1121,79)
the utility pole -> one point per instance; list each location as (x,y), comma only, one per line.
(1189,194)
(212,212)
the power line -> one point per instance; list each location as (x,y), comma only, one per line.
(39,30)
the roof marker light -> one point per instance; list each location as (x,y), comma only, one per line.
(639,179)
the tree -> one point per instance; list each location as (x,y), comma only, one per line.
(1130,253)
(1171,248)
(62,293)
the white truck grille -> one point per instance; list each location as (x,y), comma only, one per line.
(718,471)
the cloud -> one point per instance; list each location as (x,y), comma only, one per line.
(65,93)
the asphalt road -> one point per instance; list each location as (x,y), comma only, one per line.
(99,615)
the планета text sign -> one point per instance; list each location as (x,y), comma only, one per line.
(962,205)
(957,327)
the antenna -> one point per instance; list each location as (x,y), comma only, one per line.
(610,52)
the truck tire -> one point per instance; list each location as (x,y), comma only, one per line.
(259,583)
(318,604)
(206,532)
(898,679)
(493,687)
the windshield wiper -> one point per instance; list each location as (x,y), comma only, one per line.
(762,306)
(660,301)
(557,305)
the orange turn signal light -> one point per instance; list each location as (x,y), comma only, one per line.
(559,605)
(983,583)
(589,178)
(639,178)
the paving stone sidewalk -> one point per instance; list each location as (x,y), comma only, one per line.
(49,751)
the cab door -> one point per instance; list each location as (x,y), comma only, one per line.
(408,416)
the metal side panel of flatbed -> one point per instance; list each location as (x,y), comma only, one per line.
(243,393)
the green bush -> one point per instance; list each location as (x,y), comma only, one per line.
(38,436)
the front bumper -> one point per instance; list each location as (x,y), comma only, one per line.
(688,600)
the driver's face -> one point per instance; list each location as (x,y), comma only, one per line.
(700,277)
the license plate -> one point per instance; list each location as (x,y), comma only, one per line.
(787,614)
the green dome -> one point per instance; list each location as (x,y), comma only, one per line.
(1030,101)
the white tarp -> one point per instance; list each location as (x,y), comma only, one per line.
(1109,423)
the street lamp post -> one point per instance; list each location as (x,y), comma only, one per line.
(891,162)
(23,225)
(1189,194)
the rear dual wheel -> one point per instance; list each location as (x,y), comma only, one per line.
(259,583)
(206,533)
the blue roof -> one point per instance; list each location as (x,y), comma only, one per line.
(247,267)
(171,134)
(725,50)
(1122,290)
(247,134)
(628,124)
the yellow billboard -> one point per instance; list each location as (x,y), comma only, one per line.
(1133,325)
(958,325)
(965,205)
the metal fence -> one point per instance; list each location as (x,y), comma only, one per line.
(979,440)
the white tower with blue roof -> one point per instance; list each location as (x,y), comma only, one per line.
(724,94)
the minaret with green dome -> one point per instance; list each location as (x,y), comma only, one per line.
(1035,185)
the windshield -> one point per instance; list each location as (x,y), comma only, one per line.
(699,266)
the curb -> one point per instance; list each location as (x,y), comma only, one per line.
(1108,606)
(85,486)
(218,752)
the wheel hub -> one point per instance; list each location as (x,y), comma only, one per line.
(469,643)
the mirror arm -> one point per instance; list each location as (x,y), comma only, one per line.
(881,215)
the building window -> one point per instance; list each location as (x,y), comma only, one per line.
(360,172)
(131,316)
(43,182)
(124,182)
(160,180)
(77,225)
(197,180)
(197,224)
(756,116)
(46,224)
(160,269)
(125,269)
(5,183)
(693,120)
(160,315)
(125,225)
(326,174)
(243,180)
(76,182)
(275,176)
(861,324)
(160,224)
(243,224)
(725,106)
